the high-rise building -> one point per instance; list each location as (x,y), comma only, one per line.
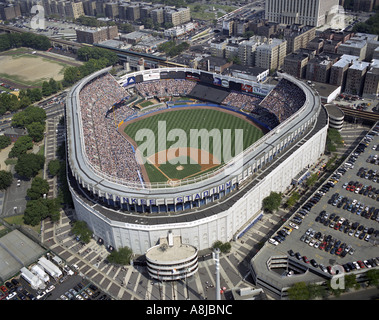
(270,55)
(157,15)
(356,75)
(295,63)
(307,12)
(338,72)
(177,16)
(371,85)
(298,36)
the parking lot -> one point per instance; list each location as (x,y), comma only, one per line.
(71,286)
(339,223)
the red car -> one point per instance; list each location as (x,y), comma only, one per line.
(4,288)
(306,259)
(322,245)
(339,251)
(330,270)
(361,264)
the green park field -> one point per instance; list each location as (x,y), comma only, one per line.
(191,141)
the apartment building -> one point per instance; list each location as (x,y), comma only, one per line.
(354,47)
(296,63)
(298,36)
(338,72)
(9,11)
(177,16)
(247,48)
(318,69)
(111,10)
(371,85)
(96,35)
(308,12)
(217,47)
(157,15)
(356,75)
(270,55)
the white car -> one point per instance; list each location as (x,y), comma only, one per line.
(41,295)
(312,242)
(11,295)
(63,297)
(365,262)
(323,268)
(293,225)
(50,288)
(273,241)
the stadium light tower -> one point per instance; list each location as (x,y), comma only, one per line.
(216,258)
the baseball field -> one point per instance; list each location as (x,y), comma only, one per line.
(24,69)
(182,143)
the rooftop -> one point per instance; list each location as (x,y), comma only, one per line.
(359,65)
(167,252)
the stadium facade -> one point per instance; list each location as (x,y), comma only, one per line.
(215,206)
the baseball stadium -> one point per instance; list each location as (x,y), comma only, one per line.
(185,151)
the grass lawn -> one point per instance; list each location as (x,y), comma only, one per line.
(179,123)
(145,104)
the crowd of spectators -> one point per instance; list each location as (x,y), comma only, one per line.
(106,149)
(284,100)
(165,87)
(241,101)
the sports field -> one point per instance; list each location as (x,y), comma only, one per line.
(184,142)
(21,67)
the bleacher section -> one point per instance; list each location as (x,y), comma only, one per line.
(208,93)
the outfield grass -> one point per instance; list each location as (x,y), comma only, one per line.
(184,120)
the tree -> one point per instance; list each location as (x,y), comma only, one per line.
(46,89)
(29,115)
(29,164)
(36,131)
(35,211)
(223,246)
(312,180)
(53,86)
(272,202)
(81,229)
(293,199)
(54,167)
(38,188)
(121,256)
(5,141)
(373,277)
(6,179)
(53,207)
(20,147)
(299,291)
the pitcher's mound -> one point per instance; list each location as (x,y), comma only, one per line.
(179,168)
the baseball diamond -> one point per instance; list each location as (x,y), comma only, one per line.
(206,131)
(133,182)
